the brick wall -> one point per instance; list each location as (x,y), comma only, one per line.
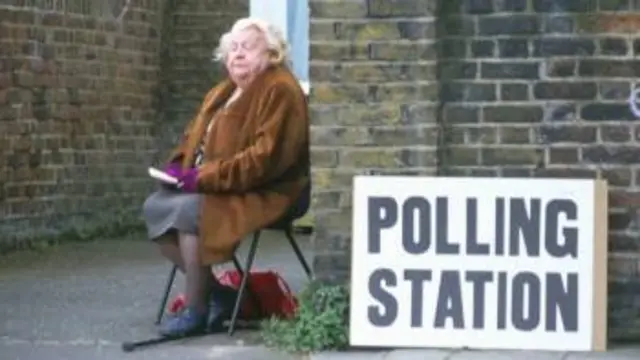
(87,99)
(539,88)
(192,29)
(76,111)
(524,88)
(373,107)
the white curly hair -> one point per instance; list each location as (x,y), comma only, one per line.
(276,41)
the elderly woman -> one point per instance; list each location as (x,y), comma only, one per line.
(242,164)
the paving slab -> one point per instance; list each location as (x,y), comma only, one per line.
(81,301)
(350,355)
(419,354)
(615,353)
(37,351)
(506,355)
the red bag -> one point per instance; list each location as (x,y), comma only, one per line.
(178,304)
(266,289)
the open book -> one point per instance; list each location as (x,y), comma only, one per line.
(162,176)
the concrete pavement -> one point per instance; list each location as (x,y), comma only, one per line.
(617,353)
(81,301)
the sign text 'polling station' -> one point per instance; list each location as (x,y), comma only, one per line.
(487,263)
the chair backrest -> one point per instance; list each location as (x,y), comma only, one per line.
(298,210)
(301,206)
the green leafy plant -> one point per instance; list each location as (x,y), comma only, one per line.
(320,323)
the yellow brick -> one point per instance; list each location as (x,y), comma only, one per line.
(323,157)
(462,156)
(336,220)
(307,220)
(369,31)
(368,72)
(370,114)
(403,92)
(355,136)
(338,9)
(528,156)
(403,50)
(326,93)
(323,50)
(340,136)
(367,158)
(325,179)
(321,178)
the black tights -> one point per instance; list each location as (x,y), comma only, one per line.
(183,250)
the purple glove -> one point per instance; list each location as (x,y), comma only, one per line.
(174,169)
(188,180)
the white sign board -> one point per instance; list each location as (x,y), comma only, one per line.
(497,263)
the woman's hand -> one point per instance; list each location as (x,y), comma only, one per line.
(174,169)
(188,180)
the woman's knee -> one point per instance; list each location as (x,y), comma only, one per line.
(168,239)
(149,204)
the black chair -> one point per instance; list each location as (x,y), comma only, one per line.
(284,224)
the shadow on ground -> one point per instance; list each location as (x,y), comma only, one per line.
(81,301)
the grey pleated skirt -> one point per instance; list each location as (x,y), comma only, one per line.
(166,210)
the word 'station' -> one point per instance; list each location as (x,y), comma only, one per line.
(561,290)
(486,263)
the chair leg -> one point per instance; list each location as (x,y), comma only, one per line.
(243,283)
(296,249)
(165,296)
(236,264)
(254,298)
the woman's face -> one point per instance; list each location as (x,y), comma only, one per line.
(248,55)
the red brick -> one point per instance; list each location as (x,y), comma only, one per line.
(618,176)
(5,81)
(562,155)
(624,198)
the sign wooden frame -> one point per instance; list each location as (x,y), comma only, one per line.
(364,335)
